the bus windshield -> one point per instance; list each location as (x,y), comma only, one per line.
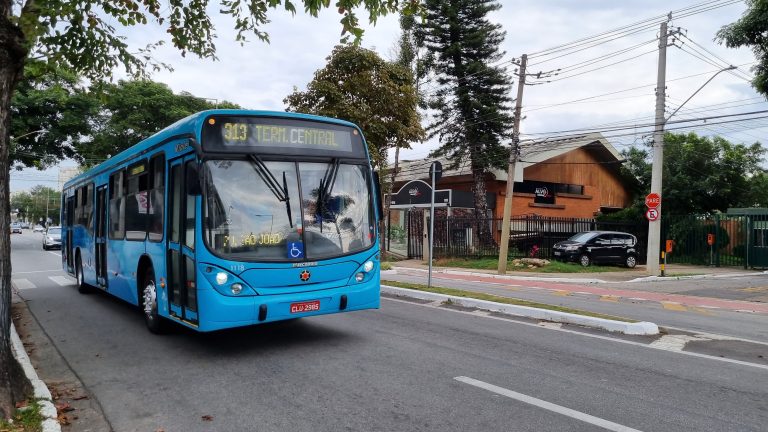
(287,211)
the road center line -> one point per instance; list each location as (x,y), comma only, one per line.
(605,424)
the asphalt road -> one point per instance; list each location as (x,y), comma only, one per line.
(752,326)
(406,367)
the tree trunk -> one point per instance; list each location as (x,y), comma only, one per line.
(391,185)
(13,383)
(481,207)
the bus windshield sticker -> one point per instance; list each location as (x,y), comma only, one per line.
(295,250)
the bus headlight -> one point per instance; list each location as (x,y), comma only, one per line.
(236,288)
(360,276)
(221,278)
(368,266)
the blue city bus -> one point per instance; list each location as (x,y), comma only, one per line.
(230,218)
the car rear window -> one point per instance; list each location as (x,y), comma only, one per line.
(54,231)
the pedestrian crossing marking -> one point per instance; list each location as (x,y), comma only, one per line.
(23,284)
(61,280)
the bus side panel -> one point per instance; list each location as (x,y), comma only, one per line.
(122,261)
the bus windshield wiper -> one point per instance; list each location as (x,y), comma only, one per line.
(326,186)
(280,192)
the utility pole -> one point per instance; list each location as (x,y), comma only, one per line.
(514,154)
(654,227)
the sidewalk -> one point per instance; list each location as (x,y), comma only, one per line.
(631,285)
(620,275)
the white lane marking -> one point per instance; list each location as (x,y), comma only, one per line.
(62,280)
(594,336)
(37,271)
(586,418)
(675,342)
(58,254)
(23,284)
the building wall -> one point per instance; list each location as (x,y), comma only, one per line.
(581,167)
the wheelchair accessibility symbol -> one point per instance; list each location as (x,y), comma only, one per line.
(295,250)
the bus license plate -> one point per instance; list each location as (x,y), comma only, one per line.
(309,306)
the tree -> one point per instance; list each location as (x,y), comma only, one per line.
(131,111)
(359,86)
(39,204)
(702,174)
(50,112)
(472,99)
(750,31)
(83,36)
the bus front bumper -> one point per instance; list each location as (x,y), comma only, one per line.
(218,311)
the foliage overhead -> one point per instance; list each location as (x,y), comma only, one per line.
(85,36)
(359,86)
(750,31)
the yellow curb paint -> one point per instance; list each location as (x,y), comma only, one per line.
(609,298)
(674,306)
(701,310)
(755,289)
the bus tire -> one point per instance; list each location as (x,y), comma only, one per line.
(82,287)
(155,323)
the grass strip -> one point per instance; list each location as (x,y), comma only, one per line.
(26,419)
(552,267)
(500,299)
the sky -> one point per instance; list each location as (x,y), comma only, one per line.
(617,90)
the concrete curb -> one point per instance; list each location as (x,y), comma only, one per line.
(506,277)
(700,276)
(40,390)
(641,328)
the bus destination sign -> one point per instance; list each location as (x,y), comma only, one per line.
(279,136)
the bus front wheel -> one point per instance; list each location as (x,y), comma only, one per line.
(149,304)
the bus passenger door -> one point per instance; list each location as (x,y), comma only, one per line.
(101,236)
(70,231)
(182,293)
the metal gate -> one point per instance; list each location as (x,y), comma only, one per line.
(415,232)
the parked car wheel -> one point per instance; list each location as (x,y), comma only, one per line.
(585,260)
(630,261)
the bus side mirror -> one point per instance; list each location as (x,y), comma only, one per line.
(379,194)
(193,180)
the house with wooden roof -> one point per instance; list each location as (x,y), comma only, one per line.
(575,177)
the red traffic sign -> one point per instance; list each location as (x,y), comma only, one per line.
(652,200)
(652,214)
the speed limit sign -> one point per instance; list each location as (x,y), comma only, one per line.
(652,214)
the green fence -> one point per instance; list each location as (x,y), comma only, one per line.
(717,240)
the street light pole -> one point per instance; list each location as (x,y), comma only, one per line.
(654,227)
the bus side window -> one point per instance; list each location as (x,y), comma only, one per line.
(136,202)
(116,207)
(88,209)
(156,197)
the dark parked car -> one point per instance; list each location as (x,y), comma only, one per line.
(599,247)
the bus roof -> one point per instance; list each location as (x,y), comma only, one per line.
(190,125)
